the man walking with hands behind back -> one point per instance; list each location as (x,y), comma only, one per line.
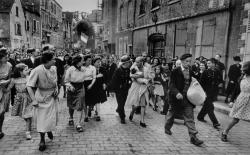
(180,80)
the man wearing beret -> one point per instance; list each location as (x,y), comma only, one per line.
(120,83)
(179,83)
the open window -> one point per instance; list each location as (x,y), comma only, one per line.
(156,4)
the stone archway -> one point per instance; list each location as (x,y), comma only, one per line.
(156,45)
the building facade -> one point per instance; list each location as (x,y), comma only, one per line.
(52,27)
(110,25)
(125,25)
(68,29)
(169,28)
(32,23)
(95,17)
(12,24)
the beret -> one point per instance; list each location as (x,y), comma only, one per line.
(31,50)
(237,58)
(125,59)
(185,56)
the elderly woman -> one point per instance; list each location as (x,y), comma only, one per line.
(241,107)
(138,92)
(74,79)
(45,98)
(5,70)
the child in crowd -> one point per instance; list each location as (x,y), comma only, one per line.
(22,103)
(158,90)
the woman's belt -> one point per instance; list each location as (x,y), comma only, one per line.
(77,85)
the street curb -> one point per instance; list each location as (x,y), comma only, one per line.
(221,107)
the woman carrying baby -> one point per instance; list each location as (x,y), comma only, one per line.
(138,92)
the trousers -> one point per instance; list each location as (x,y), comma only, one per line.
(208,109)
(121,100)
(187,110)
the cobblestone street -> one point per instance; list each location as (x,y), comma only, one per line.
(111,137)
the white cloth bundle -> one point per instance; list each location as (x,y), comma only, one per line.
(195,94)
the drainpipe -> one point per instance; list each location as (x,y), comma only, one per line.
(229,30)
(132,39)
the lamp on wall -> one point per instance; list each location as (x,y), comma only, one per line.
(155,19)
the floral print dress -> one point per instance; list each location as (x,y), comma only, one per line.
(22,103)
(241,108)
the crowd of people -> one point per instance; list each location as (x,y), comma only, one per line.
(31,84)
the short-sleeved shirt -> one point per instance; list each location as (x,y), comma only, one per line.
(90,72)
(74,75)
(43,78)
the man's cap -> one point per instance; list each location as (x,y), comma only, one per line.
(185,56)
(237,58)
(30,50)
(125,59)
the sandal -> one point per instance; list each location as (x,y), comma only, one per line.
(79,128)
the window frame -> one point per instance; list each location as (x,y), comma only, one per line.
(170,2)
(157,6)
(17,11)
(143,4)
(18,29)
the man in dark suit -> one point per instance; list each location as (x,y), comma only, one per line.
(111,69)
(233,75)
(210,79)
(180,80)
(32,61)
(120,83)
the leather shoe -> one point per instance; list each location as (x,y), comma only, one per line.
(202,120)
(123,121)
(1,135)
(217,126)
(196,141)
(50,135)
(167,131)
(42,146)
(143,125)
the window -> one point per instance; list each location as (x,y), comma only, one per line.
(18,29)
(27,25)
(173,1)
(142,7)
(181,39)
(17,12)
(156,3)
(208,36)
(34,26)
(37,26)
(52,6)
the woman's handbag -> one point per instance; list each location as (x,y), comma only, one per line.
(195,94)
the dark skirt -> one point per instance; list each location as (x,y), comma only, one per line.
(90,94)
(76,99)
(97,88)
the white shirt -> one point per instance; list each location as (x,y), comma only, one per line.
(32,59)
(90,72)
(74,75)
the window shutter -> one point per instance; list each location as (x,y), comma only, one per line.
(248,22)
(213,4)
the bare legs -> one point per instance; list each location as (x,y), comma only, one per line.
(1,125)
(231,125)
